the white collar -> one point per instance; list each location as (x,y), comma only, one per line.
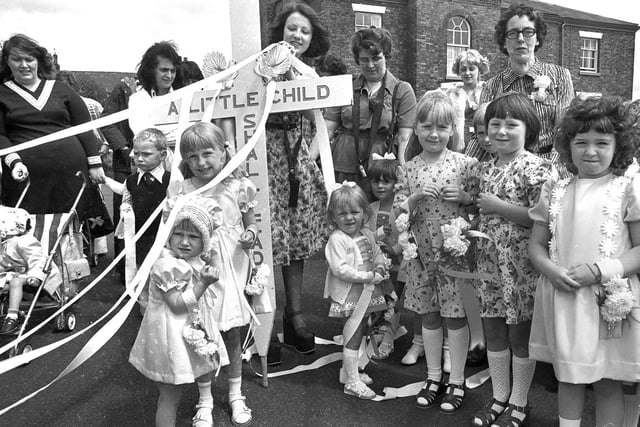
(157,173)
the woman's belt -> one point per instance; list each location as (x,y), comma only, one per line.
(364,132)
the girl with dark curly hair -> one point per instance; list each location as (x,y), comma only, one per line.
(585,241)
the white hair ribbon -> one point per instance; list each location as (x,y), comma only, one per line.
(387,156)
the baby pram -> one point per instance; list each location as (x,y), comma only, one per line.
(61,238)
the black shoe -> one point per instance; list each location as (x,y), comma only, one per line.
(477,356)
(9,326)
(300,339)
(274,357)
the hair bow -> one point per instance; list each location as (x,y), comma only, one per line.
(336,186)
(387,156)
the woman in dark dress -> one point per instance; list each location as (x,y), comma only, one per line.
(32,106)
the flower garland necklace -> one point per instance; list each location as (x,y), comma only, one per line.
(615,299)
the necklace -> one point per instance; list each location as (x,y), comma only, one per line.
(609,227)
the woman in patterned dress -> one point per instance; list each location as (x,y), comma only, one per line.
(298,227)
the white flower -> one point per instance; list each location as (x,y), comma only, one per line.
(460,223)
(410,251)
(402,222)
(259,280)
(607,247)
(555,208)
(609,228)
(559,190)
(611,208)
(403,239)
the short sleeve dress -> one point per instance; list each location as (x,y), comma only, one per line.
(160,352)
(589,221)
(224,304)
(510,291)
(428,289)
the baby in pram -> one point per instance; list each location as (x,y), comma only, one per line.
(22,261)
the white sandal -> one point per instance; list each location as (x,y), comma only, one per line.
(240,412)
(203,416)
(360,390)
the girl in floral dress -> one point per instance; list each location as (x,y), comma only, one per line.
(586,243)
(205,153)
(508,186)
(432,191)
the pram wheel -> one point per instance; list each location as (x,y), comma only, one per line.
(70,321)
(20,349)
(65,322)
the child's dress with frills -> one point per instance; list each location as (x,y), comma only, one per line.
(589,221)
(160,352)
(224,304)
(351,263)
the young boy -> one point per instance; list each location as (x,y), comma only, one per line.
(383,173)
(147,187)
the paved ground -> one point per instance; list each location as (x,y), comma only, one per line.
(107,391)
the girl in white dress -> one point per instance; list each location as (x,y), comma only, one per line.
(178,279)
(585,242)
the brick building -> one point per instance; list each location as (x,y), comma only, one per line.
(428,35)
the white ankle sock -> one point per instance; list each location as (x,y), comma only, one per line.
(499,368)
(205,393)
(235,388)
(458,348)
(350,365)
(523,370)
(569,423)
(433,352)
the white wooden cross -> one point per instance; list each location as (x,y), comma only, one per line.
(245,102)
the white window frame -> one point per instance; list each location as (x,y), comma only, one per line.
(370,13)
(590,52)
(460,36)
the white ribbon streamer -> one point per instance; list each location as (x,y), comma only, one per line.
(108,330)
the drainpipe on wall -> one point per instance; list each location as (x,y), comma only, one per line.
(562,44)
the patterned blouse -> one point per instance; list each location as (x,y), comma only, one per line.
(558,97)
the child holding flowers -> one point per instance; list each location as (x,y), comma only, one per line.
(432,191)
(172,346)
(205,152)
(357,267)
(383,172)
(586,244)
(508,185)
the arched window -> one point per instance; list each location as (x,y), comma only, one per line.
(458,40)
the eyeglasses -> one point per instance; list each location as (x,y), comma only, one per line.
(526,32)
(375,60)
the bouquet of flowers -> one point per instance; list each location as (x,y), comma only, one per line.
(195,335)
(616,302)
(259,280)
(455,238)
(405,239)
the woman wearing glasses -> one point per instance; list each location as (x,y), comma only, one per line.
(381,104)
(519,33)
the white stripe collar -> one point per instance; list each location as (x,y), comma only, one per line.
(37,103)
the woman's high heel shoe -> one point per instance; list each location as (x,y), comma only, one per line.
(299,338)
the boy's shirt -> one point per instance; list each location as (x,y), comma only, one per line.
(157,173)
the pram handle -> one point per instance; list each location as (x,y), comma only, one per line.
(72,211)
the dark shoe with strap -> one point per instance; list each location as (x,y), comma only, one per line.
(452,401)
(429,394)
(299,338)
(487,415)
(9,326)
(274,357)
(509,418)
